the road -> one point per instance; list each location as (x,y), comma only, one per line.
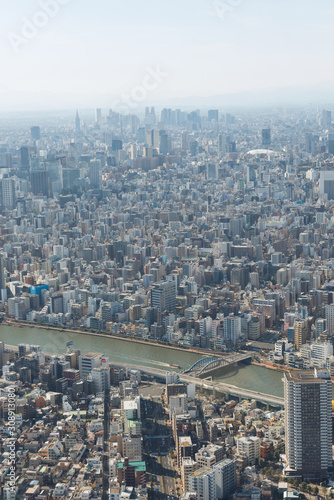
(206,384)
(157,443)
(212,385)
(168,472)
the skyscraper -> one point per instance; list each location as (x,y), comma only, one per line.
(221,145)
(326,185)
(40,182)
(266,137)
(3,291)
(213,115)
(308,423)
(98,115)
(330,143)
(95,173)
(164,143)
(2,274)
(184,141)
(8,193)
(35,133)
(25,160)
(326,118)
(77,122)
(2,348)
(329,311)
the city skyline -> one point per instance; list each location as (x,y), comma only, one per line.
(167,250)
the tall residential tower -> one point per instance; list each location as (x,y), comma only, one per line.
(308,423)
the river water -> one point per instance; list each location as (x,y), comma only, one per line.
(252,377)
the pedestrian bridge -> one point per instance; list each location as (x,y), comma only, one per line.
(206,365)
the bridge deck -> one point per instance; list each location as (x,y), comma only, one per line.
(207,364)
(214,385)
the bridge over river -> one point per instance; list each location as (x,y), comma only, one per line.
(206,365)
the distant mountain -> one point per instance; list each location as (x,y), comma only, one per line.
(296,95)
(319,94)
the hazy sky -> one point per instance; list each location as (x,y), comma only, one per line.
(91,52)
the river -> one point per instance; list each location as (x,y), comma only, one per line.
(253,377)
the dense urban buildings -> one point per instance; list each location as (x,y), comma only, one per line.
(203,230)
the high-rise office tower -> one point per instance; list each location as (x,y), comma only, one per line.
(98,115)
(116,145)
(213,115)
(326,118)
(95,178)
(77,122)
(21,206)
(329,312)
(212,171)
(25,160)
(164,143)
(35,133)
(3,290)
(2,349)
(193,148)
(40,182)
(221,145)
(326,185)
(250,173)
(163,296)
(150,116)
(266,136)
(150,138)
(308,423)
(2,274)
(330,144)
(133,151)
(310,143)
(185,141)
(8,193)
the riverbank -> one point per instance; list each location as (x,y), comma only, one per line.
(193,350)
(271,366)
(242,375)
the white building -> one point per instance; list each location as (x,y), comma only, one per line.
(250,447)
(329,312)
(172,378)
(101,379)
(8,193)
(326,184)
(178,404)
(320,352)
(8,494)
(87,362)
(232,328)
(216,482)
